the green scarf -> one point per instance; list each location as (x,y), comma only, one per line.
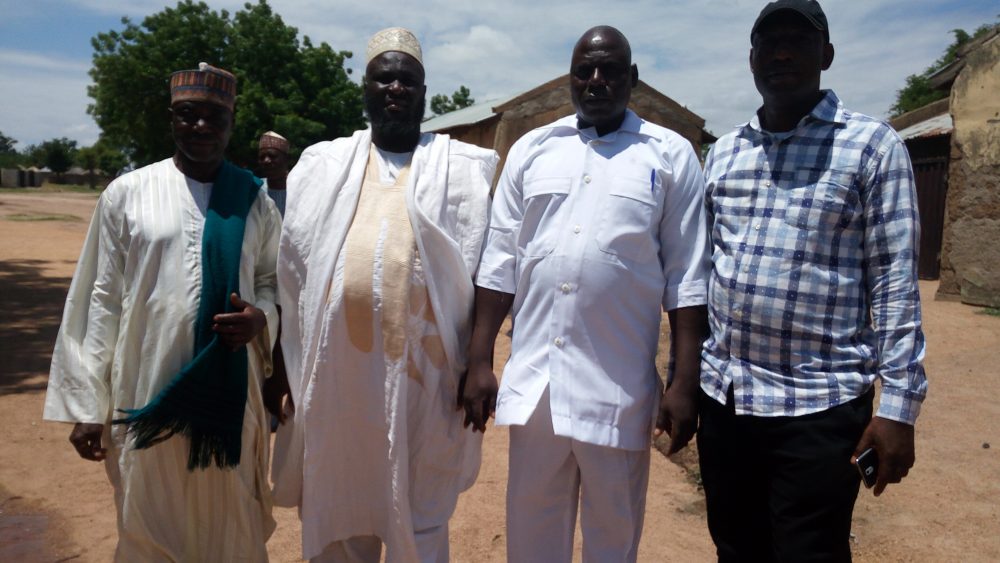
(205,401)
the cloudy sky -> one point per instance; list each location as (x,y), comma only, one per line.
(695,51)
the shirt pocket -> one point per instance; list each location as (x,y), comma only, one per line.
(821,200)
(543,206)
(626,220)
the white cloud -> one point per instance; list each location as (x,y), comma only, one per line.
(20,61)
(694,51)
(44,98)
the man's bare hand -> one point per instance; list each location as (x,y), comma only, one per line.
(893,443)
(276,387)
(678,416)
(86,438)
(478,395)
(238,328)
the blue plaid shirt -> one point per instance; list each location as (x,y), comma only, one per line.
(813,293)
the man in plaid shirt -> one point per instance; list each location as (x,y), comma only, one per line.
(813,297)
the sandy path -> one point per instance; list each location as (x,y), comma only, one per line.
(55,506)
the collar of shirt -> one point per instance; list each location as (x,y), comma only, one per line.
(829,109)
(632,125)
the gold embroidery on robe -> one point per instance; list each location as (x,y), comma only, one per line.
(380,257)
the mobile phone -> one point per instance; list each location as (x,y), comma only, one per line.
(867,464)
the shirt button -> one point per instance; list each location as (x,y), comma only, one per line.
(586,179)
(558,341)
(577,229)
(565,287)
(767,183)
(746,268)
(757,227)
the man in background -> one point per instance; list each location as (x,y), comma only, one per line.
(272,166)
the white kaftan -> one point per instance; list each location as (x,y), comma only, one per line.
(127,329)
(382,278)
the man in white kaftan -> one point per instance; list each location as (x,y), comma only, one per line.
(381,239)
(128,328)
(598,225)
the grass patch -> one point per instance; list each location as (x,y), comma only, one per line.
(28,217)
(49,188)
(991,311)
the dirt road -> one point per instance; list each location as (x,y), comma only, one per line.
(56,507)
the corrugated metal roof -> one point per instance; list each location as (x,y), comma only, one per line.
(465,116)
(939,125)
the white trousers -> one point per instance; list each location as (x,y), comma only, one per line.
(432,547)
(550,476)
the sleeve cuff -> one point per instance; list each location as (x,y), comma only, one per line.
(686,294)
(74,405)
(496,278)
(900,405)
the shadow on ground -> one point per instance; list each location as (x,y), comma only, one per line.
(32,307)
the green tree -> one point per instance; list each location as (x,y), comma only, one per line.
(33,155)
(110,160)
(100,159)
(8,154)
(88,158)
(441,104)
(7,144)
(298,89)
(58,155)
(918,91)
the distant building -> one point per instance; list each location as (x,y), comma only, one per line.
(76,176)
(11,178)
(970,238)
(927,134)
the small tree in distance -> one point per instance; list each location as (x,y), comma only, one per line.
(441,104)
(59,155)
(918,91)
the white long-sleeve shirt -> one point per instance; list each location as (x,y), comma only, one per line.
(593,235)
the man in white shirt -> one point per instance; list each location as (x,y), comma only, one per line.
(597,223)
(155,336)
(382,236)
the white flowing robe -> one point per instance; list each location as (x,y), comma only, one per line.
(363,433)
(127,329)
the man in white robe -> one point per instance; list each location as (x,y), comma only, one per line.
(129,328)
(381,240)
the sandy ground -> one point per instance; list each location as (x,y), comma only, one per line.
(55,506)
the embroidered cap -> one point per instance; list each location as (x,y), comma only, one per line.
(272,140)
(394,39)
(206,84)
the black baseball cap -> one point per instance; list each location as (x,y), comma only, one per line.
(808,9)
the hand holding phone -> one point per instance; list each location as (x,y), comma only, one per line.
(867,464)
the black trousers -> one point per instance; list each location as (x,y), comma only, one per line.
(780,488)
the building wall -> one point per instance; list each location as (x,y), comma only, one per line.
(970,260)
(9,178)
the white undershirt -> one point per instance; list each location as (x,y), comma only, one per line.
(201,192)
(390,163)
